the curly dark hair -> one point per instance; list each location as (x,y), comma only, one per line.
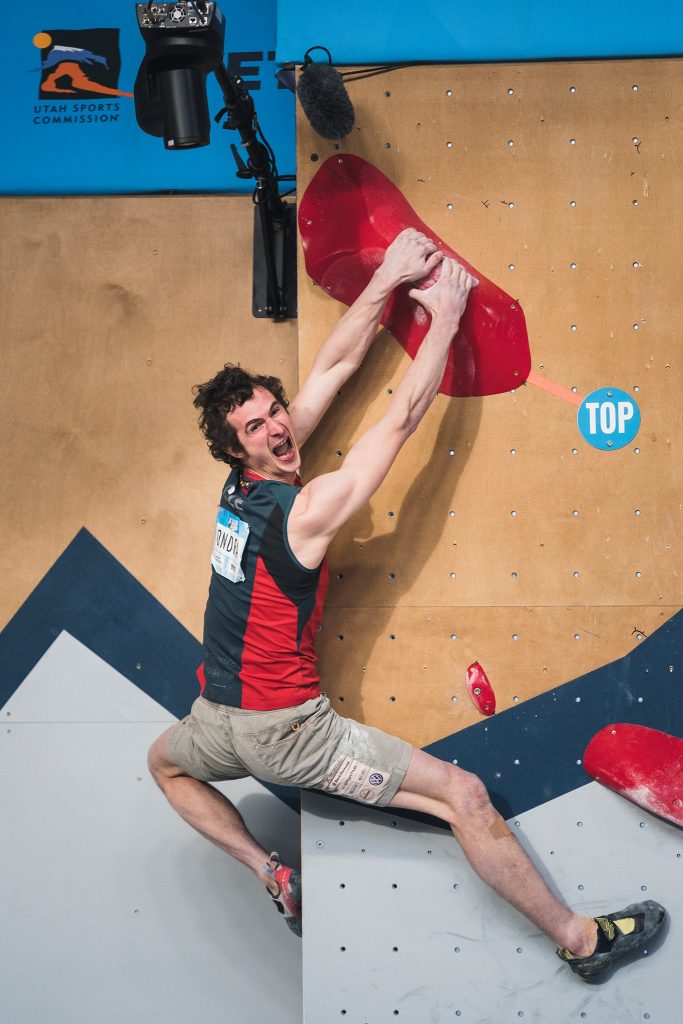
(230,387)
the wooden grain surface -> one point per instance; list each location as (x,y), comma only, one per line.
(497,512)
(112,309)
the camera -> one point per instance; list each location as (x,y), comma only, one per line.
(184,42)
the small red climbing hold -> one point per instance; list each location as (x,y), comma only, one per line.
(480,689)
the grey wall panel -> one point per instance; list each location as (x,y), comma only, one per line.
(410,933)
(112,908)
(74,685)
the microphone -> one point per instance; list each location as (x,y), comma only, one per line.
(324,98)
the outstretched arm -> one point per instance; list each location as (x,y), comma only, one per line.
(410,257)
(323,505)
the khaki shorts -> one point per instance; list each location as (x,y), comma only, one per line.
(310,746)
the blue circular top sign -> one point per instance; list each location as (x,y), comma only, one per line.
(608,418)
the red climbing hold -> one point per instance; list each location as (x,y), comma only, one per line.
(480,689)
(348,216)
(644,765)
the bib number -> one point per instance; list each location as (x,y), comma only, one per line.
(228,546)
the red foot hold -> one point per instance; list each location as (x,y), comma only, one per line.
(348,216)
(644,765)
(480,689)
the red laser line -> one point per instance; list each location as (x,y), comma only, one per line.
(554,389)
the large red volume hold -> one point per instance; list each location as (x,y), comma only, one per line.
(348,216)
(644,765)
(480,689)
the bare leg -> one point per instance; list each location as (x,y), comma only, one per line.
(208,811)
(460,798)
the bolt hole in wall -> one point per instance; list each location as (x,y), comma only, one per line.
(576,350)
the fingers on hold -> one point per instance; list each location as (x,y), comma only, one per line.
(465,278)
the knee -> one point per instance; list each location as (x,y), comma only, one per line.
(157,761)
(153,762)
(468,798)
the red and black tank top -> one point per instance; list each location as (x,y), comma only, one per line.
(259,633)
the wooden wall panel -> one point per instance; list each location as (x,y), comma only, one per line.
(404,667)
(558,539)
(112,309)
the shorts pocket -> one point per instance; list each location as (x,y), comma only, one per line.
(290,752)
(275,735)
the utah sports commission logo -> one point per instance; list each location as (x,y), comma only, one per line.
(79,76)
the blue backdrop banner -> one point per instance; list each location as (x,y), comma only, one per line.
(357,32)
(69,114)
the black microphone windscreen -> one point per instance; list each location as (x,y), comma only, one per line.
(325,101)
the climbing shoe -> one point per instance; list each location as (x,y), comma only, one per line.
(288,898)
(618,935)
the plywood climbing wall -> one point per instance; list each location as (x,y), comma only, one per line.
(501,535)
(112,309)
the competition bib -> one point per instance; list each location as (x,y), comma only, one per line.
(228,546)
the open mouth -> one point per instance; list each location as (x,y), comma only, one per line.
(284,450)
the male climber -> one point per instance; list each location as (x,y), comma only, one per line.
(261,712)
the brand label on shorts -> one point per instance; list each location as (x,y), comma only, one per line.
(228,546)
(357,781)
